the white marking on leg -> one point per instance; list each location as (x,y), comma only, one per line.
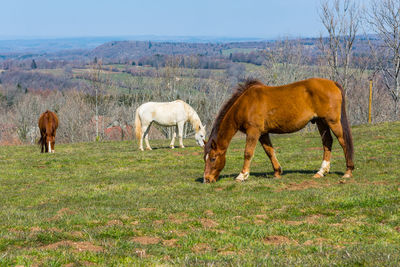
(325,167)
(242,176)
(207,157)
(49,148)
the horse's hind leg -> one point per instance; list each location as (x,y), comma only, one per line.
(338,131)
(326,136)
(145,135)
(269,150)
(171,145)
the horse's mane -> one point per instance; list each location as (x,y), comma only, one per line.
(239,90)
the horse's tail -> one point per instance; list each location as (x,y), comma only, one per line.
(348,139)
(42,139)
(138,125)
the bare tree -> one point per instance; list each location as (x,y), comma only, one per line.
(286,62)
(341,19)
(95,78)
(384,19)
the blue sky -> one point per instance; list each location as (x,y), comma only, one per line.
(220,18)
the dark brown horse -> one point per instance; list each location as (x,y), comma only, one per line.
(257,110)
(48,124)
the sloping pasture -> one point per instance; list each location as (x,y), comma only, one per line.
(109,204)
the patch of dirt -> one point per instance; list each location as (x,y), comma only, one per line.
(278,240)
(208,223)
(397,228)
(259,222)
(218,189)
(114,222)
(170,243)
(134,222)
(77,246)
(201,248)
(146,240)
(301,186)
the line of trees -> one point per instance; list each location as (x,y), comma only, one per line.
(89,102)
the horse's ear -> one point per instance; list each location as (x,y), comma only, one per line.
(213,144)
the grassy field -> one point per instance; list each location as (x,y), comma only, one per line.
(110,204)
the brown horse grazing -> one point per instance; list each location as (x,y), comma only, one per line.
(257,110)
(48,124)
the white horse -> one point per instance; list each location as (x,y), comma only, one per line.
(174,113)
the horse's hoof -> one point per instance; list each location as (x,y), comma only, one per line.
(242,177)
(148,148)
(347,175)
(172,147)
(318,175)
(277,173)
(182,146)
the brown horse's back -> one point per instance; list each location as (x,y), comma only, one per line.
(48,124)
(288,108)
(48,121)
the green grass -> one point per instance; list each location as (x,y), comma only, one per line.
(100,203)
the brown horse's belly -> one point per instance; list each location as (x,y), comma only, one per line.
(289,124)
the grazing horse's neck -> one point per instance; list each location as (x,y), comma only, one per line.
(227,129)
(193,119)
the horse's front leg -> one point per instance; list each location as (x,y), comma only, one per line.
(171,145)
(251,141)
(269,150)
(180,133)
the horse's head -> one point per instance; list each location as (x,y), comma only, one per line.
(214,159)
(200,136)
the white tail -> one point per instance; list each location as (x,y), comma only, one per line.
(138,126)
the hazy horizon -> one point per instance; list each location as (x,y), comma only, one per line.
(46,19)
